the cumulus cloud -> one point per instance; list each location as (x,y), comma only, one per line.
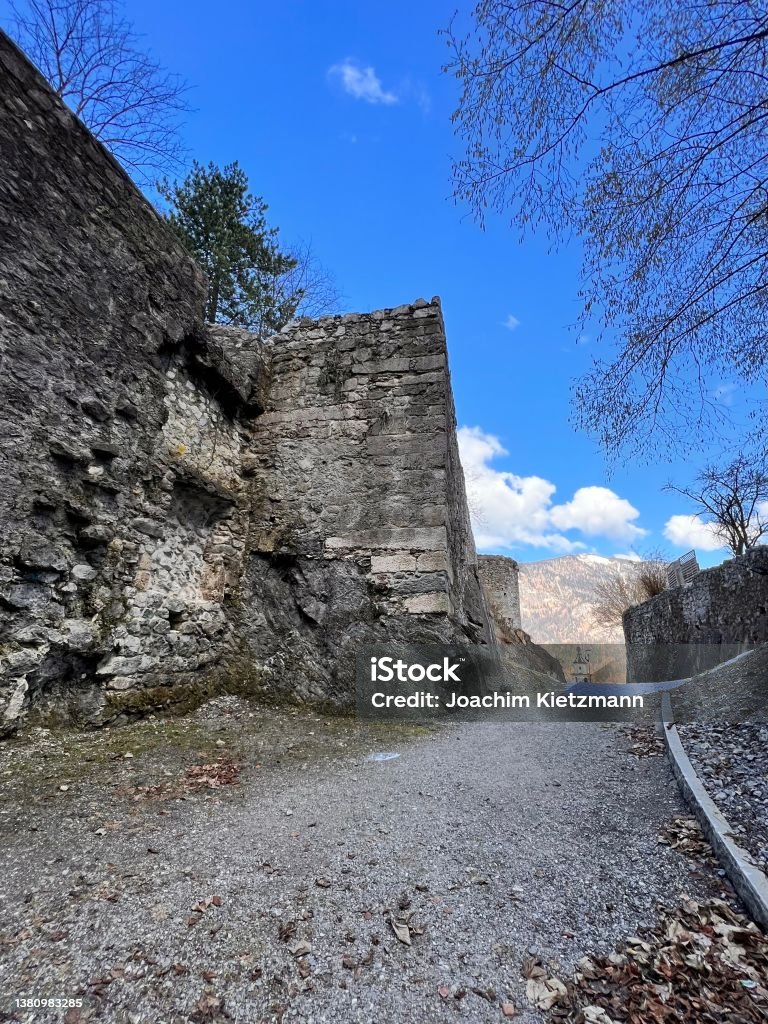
(507,509)
(598,512)
(361,82)
(511,323)
(691,532)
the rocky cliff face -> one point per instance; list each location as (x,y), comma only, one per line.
(184,508)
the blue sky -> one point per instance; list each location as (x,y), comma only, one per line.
(339,114)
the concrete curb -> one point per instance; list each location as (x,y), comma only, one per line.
(746,878)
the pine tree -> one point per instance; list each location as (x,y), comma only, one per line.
(225,228)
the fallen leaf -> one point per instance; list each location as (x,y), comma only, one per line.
(402,932)
(543,994)
(207,1007)
(595,1015)
(300,948)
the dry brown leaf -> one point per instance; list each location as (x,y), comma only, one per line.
(543,994)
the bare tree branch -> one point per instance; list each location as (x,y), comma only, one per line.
(631,586)
(734,499)
(94,62)
(641,128)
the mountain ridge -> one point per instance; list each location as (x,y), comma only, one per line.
(558,597)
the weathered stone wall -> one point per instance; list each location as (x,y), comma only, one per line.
(723,611)
(359,496)
(500,579)
(183,507)
(121,500)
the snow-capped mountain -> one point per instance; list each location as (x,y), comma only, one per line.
(558,598)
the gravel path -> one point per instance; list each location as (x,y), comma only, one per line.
(732,763)
(491,842)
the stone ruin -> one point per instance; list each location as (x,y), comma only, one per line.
(185,509)
(500,579)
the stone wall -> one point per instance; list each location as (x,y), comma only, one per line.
(184,508)
(359,496)
(500,579)
(500,582)
(121,499)
(687,629)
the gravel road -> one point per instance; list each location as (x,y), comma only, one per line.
(133,880)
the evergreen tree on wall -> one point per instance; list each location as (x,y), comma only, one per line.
(224,226)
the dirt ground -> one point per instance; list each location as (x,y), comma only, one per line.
(250,864)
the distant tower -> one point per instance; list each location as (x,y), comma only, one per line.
(582,671)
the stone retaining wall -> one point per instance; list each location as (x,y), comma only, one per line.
(689,629)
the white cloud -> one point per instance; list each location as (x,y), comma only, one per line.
(423,99)
(691,532)
(628,556)
(361,82)
(511,323)
(508,509)
(598,512)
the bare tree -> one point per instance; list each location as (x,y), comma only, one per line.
(613,596)
(94,62)
(734,498)
(653,574)
(629,586)
(641,127)
(311,284)
(304,288)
